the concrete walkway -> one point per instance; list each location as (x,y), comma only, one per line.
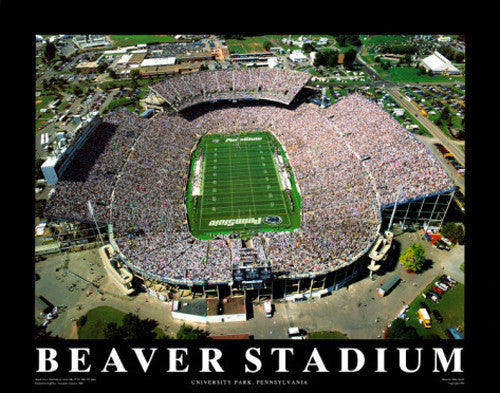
(355,310)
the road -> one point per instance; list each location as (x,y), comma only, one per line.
(392,89)
(429,125)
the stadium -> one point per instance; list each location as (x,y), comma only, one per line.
(240,184)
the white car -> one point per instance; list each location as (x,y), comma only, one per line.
(295,334)
(441,286)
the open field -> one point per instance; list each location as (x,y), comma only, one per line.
(97,320)
(246,45)
(126,40)
(240,186)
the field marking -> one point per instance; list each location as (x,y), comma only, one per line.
(250,181)
(239,178)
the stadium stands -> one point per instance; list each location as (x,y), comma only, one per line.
(183,91)
(136,171)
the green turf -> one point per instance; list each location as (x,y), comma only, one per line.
(129,40)
(451,307)
(97,320)
(240,186)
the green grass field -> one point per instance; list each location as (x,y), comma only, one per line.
(246,45)
(97,320)
(126,40)
(451,307)
(240,186)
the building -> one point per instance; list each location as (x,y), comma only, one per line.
(273,62)
(298,56)
(211,310)
(438,64)
(90,41)
(194,57)
(55,165)
(154,71)
(87,67)
(157,62)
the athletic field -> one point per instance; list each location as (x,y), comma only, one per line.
(238,186)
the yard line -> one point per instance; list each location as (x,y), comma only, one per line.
(250,181)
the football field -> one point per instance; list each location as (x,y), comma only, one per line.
(241,188)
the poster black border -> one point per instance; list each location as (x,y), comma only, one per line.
(52,20)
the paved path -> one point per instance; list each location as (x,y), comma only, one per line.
(353,310)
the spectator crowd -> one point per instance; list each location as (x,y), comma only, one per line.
(349,160)
(186,90)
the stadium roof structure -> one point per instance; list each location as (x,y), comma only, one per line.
(437,63)
(349,160)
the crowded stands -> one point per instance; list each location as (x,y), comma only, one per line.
(349,160)
(186,90)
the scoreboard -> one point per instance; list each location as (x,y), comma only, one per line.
(252,275)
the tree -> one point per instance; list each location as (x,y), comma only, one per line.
(349,58)
(41,333)
(40,205)
(136,328)
(49,52)
(113,332)
(413,258)
(326,57)
(308,47)
(102,67)
(348,39)
(399,330)
(38,168)
(81,321)
(132,328)
(77,91)
(187,332)
(267,45)
(444,118)
(454,232)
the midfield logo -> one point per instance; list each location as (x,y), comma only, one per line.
(273,220)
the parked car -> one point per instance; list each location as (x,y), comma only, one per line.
(451,280)
(441,285)
(431,296)
(454,334)
(424,305)
(435,294)
(296,334)
(444,280)
(437,290)
(437,315)
(441,245)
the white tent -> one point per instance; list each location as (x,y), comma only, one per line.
(437,63)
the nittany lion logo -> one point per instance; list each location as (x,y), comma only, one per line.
(272,220)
